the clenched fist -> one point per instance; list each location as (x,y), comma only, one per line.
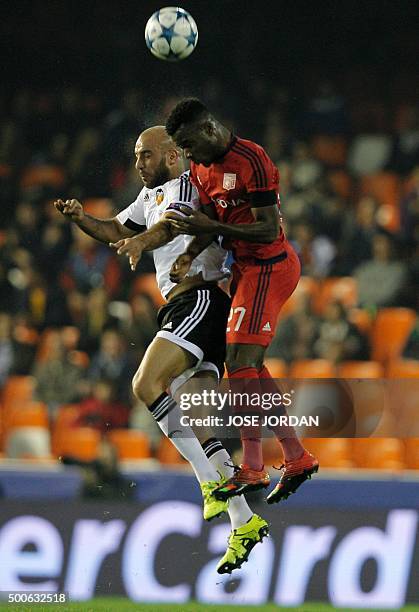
(70,208)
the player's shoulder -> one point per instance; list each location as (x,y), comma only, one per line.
(244,147)
(182,179)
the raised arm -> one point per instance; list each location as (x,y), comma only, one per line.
(158,235)
(104,230)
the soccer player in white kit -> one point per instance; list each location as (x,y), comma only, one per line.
(191,339)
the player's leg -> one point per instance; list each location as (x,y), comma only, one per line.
(247,528)
(162,362)
(260,293)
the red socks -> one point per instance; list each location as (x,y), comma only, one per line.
(243,380)
(291,446)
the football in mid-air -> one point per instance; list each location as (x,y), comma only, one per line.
(171,34)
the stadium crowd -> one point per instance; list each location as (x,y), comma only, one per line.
(74,317)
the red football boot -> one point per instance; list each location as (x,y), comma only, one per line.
(293,474)
(244,480)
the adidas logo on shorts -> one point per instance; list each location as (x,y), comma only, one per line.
(168,325)
(267,327)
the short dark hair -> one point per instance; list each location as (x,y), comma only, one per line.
(186,111)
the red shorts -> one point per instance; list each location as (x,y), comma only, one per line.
(259,289)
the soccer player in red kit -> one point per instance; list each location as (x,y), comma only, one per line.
(238,185)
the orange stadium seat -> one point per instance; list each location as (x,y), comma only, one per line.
(412,453)
(390,331)
(130,444)
(360,369)
(378,453)
(331,452)
(343,289)
(277,367)
(17,389)
(385,187)
(331,150)
(306,287)
(167,454)
(27,414)
(312,368)
(146,283)
(43,175)
(403,368)
(79,442)
(99,207)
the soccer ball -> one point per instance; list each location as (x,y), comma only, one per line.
(171,34)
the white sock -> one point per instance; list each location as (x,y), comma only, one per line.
(167,415)
(238,508)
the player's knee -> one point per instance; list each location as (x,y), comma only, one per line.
(146,387)
(141,386)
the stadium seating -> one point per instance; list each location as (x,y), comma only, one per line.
(80,443)
(312,368)
(146,283)
(412,453)
(385,187)
(167,453)
(35,176)
(342,289)
(17,388)
(360,369)
(331,452)
(378,453)
(403,368)
(390,331)
(306,287)
(130,444)
(277,367)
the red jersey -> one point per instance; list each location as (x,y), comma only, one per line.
(244,178)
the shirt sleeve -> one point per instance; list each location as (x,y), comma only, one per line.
(133,216)
(261,178)
(182,192)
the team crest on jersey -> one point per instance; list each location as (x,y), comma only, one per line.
(229,181)
(159,196)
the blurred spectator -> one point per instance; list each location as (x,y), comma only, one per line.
(339,340)
(143,325)
(382,279)
(58,380)
(316,253)
(94,319)
(112,362)
(6,347)
(359,230)
(102,410)
(90,264)
(295,336)
(405,154)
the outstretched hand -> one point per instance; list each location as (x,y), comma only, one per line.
(131,248)
(72,209)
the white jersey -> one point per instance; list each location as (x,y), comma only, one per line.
(148,209)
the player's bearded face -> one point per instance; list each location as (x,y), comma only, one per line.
(152,177)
